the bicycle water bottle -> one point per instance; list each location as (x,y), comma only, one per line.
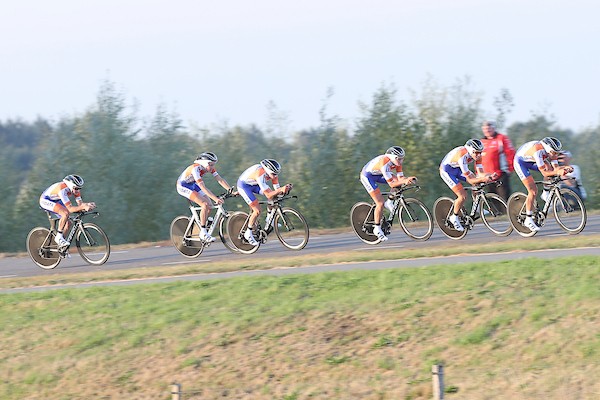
(209,221)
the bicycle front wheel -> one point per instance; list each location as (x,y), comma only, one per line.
(494,214)
(415,219)
(517,214)
(187,243)
(291,229)
(92,244)
(42,249)
(569,211)
(224,235)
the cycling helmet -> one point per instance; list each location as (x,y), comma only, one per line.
(489,122)
(271,166)
(551,144)
(396,151)
(474,146)
(74,182)
(206,157)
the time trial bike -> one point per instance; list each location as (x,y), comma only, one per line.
(91,241)
(490,207)
(289,225)
(414,217)
(185,230)
(569,210)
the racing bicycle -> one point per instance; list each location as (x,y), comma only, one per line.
(414,217)
(490,207)
(185,230)
(569,210)
(288,224)
(91,241)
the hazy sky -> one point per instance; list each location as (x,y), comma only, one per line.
(227,59)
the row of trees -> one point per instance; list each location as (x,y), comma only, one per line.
(130,166)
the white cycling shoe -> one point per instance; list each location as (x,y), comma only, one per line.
(61,241)
(530,224)
(379,233)
(206,237)
(250,238)
(456,223)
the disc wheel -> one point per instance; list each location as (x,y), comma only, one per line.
(225,237)
(415,219)
(42,249)
(569,211)
(188,244)
(517,214)
(363,228)
(441,211)
(291,229)
(236,225)
(494,214)
(92,244)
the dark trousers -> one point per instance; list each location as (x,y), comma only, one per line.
(504,189)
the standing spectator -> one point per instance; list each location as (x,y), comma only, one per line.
(497,157)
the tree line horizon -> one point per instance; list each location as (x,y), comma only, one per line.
(130,164)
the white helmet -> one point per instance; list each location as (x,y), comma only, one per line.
(74,182)
(205,158)
(551,144)
(271,166)
(396,154)
(474,146)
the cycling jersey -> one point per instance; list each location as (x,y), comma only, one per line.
(455,166)
(187,181)
(58,193)
(381,169)
(531,156)
(254,181)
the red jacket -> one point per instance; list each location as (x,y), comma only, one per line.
(498,154)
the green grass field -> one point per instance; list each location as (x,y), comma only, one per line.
(525,329)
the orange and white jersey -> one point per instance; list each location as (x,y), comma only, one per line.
(60,192)
(459,157)
(256,175)
(534,152)
(383,165)
(194,172)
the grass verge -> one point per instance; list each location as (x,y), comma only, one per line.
(521,330)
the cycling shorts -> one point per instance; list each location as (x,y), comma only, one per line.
(370,181)
(451,176)
(48,204)
(248,192)
(522,168)
(186,189)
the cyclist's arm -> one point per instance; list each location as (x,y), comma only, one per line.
(222,182)
(210,194)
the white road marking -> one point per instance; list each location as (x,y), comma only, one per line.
(186,262)
(8,276)
(374,247)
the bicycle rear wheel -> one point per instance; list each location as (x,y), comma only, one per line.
(441,212)
(517,213)
(187,243)
(236,225)
(362,228)
(494,214)
(92,244)
(569,211)
(42,249)
(415,219)
(292,229)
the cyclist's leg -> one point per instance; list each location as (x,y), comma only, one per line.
(248,193)
(370,181)
(58,209)
(522,169)
(453,177)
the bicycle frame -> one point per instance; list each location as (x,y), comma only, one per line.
(273,209)
(76,226)
(398,201)
(213,221)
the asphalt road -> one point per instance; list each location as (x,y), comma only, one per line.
(165,256)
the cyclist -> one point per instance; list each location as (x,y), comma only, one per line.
(539,156)
(454,168)
(191,186)
(254,181)
(56,199)
(385,168)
